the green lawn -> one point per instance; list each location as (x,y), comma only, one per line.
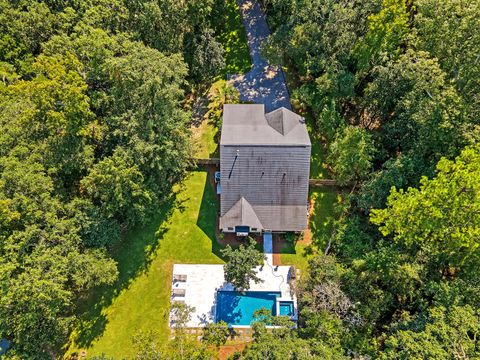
(204,139)
(320,225)
(234,41)
(322,216)
(184,233)
(317,160)
(297,256)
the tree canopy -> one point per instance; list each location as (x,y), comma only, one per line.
(93,135)
(241,264)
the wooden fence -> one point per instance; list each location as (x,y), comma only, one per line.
(312,182)
(210,161)
(329,183)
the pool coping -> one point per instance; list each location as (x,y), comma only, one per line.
(278,300)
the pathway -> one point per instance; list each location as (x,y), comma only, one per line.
(264,84)
(268,248)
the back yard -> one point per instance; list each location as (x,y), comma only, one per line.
(140,299)
(183,232)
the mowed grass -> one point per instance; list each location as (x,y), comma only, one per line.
(204,140)
(322,212)
(234,41)
(296,256)
(184,233)
(320,226)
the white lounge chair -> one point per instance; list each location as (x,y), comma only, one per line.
(178,292)
(179,278)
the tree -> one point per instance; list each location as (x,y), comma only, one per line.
(205,57)
(52,117)
(351,154)
(149,347)
(442,218)
(417,107)
(44,266)
(444,30)
(117,185)
(241,263)
(215,333)
(280,342)
(400,172)
(181,313)
(444,334)
(387,32)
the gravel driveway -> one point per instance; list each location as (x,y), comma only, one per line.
(264,84)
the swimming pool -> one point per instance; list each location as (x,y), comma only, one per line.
(286,308)
(237,308)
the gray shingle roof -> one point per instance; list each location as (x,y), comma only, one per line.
(248,124)
(239,214)
(264,166)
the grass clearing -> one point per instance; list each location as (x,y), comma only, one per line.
(318,168)
(322,215)
(204,140)
(296,255)
(185,233)
(320,229)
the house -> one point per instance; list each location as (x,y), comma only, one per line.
(264,170)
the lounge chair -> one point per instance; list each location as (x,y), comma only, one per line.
(179,278)
(178,292)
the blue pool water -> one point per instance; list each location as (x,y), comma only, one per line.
(286,308)
(237,308)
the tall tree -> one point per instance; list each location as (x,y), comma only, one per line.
(351,154)
(441,219)
(241,264)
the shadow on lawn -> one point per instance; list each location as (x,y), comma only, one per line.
(209,209)
(133,256)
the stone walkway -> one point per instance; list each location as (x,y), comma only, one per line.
(264,84)
(268,248)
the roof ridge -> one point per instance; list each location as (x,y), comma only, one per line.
(246,206)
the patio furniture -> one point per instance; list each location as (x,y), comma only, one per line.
(178,292)
(182,300)
(179,278)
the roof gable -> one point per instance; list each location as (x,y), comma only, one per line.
(283,120)
(247,124)
(242,213)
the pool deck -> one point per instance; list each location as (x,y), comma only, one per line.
(203,282)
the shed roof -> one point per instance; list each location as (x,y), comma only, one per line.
(247,124)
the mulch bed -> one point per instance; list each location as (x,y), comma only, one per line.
(226,351)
